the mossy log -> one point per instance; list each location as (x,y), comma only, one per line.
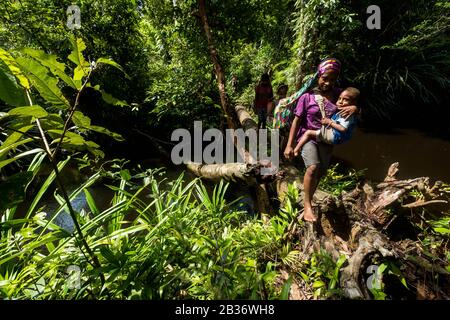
(234,172)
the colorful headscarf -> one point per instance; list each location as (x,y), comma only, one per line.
(329,64)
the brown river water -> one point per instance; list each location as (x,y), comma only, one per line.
(419,154)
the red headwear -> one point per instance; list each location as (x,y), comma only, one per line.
(329,64)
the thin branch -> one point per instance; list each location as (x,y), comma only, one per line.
(69,117)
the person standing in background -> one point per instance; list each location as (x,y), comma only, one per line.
(263,97)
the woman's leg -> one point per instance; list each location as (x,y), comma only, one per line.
(310,181)
(258,112)
(310,155)
(264,118)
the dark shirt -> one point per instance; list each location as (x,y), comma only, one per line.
(263,95)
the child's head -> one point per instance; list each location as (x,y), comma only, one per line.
(348,97)
(282,90)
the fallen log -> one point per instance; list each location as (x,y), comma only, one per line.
(248,172)
(233,172)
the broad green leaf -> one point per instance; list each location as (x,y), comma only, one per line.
(114,64)
(382,268)
(76,56)
(103,130)
(44,83)
(70,138)
(73,141)
(107,97)
(34,111)
(80,120)
(112,100)
(78,74)
(125,174)
(51,62)
(10,92)
(9,60)
(96,152)
(52,121)
(92,144)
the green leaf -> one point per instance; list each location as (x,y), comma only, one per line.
(34,111)
(10,92)
(318,284)
(76,56)
(51,62)
(111,100)
(341,261)
(286,289)
(114,64)
(442,230)
(9,60)
(13,138)
(91,202)
(44,83)
(382,268)
(52,121)
(125,174)
(70,138)
(21,155)
(51,177)
(114,135)
(80,120)
(107,97)
(78,74)
(6,147)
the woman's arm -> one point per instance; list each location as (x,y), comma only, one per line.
(292,132)
(346,112)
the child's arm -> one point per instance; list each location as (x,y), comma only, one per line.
(334,125)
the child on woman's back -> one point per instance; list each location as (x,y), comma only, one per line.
(341,128)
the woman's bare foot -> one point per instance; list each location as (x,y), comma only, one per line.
(309,215)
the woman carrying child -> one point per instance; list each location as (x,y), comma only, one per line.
(316,154)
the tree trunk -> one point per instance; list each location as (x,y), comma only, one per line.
(227,109)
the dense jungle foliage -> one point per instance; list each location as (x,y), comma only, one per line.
(80,98)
